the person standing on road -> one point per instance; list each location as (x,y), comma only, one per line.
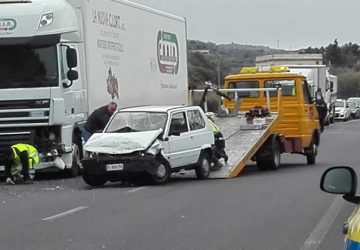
(20,163)
(98,120)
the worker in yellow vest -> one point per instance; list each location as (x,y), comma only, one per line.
(20,163)
(219,146)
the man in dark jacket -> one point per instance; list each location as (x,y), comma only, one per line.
(98,119)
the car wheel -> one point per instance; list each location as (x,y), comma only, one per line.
(94,180)
(162,173)
(311,153)
(203,169)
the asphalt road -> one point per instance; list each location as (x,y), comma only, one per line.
(281,209)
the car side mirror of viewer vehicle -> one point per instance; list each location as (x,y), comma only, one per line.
(340,180)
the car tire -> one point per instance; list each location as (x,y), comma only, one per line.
(163,172)
(203,169)
(311,153)
(94,180)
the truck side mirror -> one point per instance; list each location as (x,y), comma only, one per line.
(71,58)
(72,75)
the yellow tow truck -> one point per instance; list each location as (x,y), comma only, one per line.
(290,123)
(296,128)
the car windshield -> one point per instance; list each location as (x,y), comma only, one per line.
(352,105)
(339,104)
(125,122)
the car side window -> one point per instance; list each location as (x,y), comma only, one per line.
(178,123)
(196,121)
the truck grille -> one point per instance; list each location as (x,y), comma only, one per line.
(24,113)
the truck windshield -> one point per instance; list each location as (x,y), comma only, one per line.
(25,67)
(125,122)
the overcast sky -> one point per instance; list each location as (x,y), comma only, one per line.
(294,23)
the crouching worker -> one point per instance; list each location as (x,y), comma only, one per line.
(20,163)
(219,147)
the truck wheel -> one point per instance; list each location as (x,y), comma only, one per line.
(261,164)
(76,162)
(203,169)
(311,153)
(163,172)
(275,159)
(272,159)
(94,180)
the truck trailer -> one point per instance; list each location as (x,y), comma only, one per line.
(61,59)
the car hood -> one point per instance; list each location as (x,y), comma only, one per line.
(121,143)
(338,109)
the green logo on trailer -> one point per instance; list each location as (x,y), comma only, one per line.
(168,53)
(7,24)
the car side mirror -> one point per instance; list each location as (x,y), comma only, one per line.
(340,180)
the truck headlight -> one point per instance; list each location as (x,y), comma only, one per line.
(45,20)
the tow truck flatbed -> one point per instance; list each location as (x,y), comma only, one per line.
(242,140)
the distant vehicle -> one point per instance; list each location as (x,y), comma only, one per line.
(354,99)
(157,140)
(74,56)
(354,109)
(342,110)
(343,180)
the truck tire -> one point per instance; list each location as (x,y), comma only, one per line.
(273,159)
(203,169)
(76,158)
(163,172)
(94,180)
(261,164)
(311,154)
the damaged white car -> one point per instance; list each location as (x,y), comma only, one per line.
(157,140)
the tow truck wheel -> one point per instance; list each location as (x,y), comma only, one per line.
(311,153)
(163,172)
(275,159)
(94,180)
(261,164)
(203,169)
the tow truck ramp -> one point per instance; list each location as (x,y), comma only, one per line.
(242,141)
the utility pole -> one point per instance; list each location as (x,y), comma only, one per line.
(218,71)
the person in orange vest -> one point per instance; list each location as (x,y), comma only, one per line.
(20,163)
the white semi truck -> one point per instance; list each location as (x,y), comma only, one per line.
(317,74)
(61,59)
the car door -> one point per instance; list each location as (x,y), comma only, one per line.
(179,139)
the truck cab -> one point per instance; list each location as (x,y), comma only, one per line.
(298,128)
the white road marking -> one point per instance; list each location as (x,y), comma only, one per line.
(57,216)
(318,234)
(135,190)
